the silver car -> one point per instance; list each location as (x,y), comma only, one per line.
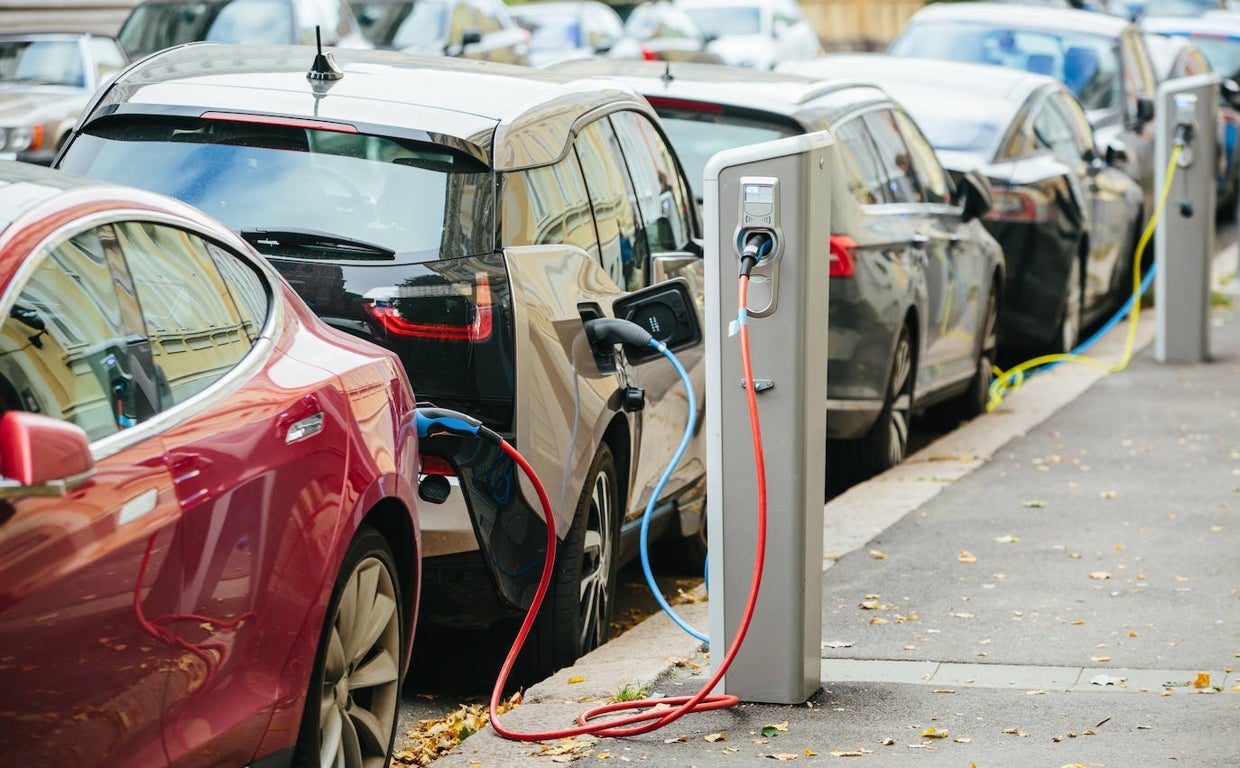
(916,280)
(45,81)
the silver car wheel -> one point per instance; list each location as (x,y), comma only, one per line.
(598,552)
(359,688)
(901,394)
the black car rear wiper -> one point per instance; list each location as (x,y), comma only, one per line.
(311,243)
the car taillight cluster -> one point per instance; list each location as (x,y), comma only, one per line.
(1020,204)
(843,256)
(386,313)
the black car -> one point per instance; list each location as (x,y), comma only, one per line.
(470,216)
(1067,219)
(1101,58)
(915,278)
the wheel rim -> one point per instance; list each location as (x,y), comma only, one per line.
(1071,328)
(901,402)
(361,673)
(596,562)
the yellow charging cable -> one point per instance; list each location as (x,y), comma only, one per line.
(1010,380)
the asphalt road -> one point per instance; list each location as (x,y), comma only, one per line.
(452,668)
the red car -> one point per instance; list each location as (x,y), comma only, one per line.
(209,544)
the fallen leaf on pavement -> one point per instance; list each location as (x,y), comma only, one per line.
(713,737)
(837,644)
(934,733)
(1099,659)
(874,553)
(810,753)
(1100,575)
(962,740)
(1015,732)
(966,556)
(784,756)
(849,752)
(1035,503)
(576,679)
(1007,539)
(774,729)
(676,740)
(1202,681)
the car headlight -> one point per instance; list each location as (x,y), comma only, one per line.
(21,138)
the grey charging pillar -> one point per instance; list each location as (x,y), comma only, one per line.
(779,188)
(1187,108)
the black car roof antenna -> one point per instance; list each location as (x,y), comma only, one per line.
(324,67)
(667,74)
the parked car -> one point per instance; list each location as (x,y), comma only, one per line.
(915,277)
(754,33)
(1216,38)
(154,25)
(46,79)
(1102,59)
(667,33)
(469,216)
(469,29)
(1067,219)
(207,493)
(571,29)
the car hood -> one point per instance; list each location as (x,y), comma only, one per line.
(20,103)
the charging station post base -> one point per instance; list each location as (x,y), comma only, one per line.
(779,190)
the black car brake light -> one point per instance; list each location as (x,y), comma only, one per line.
(476,328)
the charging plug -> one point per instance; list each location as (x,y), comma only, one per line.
(610,330)
(757,245)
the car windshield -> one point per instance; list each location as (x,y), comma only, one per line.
(155,26)
(46,62)
(698,137)
(956,122)
(728,20)
(390,198)
(1087,64)
(1223,54)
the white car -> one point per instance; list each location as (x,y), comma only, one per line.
(755,33)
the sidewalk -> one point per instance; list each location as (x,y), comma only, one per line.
(1049,585)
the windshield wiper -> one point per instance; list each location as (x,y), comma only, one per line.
(311,243)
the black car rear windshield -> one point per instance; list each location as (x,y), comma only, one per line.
(417,200)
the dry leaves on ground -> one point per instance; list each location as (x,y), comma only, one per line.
(431,739)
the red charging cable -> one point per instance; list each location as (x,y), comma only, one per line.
(702,701)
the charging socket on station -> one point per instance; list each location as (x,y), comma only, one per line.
(759,220)
(1185,126)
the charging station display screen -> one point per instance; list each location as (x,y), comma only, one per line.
(759,193)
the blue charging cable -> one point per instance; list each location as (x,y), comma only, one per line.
(644,540)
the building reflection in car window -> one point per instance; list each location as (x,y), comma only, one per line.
(65,349)
(660,195)
(196,333)
(607,183)
(549,205)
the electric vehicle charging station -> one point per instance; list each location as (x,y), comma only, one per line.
(1187,110)
(778,190)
